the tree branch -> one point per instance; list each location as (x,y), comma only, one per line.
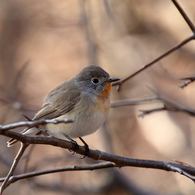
(174,48)
(187,82)
(33,123)
(99,155)
(60,169)
(115,161)
(131,102)
(169,106)
(13,167)
(184,15)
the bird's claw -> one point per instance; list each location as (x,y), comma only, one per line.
(75,147)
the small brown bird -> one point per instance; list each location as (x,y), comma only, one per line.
(84,99)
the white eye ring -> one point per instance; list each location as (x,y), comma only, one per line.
(95,81)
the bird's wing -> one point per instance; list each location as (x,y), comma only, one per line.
(58,104)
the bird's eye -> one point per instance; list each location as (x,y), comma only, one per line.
(95,81)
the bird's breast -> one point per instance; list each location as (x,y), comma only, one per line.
(102,99)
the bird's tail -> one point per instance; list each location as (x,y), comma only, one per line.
(12,141)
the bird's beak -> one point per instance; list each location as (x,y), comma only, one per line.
(112,79)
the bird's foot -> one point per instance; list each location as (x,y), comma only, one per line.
(75,146)
(86,148)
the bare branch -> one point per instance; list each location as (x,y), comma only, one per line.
(38,127)
(116,161)
(13,167)
(185,16)
(60,169)
(27,157)
(169,106)
(167,166)
(120,161)
(177,46)
(132,102)
(33,123)
(182,172)
(174,48)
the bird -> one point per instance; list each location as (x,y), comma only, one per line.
(84,99)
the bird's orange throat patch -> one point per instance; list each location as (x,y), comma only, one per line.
(106,90)
(102,102)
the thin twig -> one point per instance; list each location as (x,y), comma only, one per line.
(187,82)
(168,166)
(145,112)
(131,102)
(185,16)
(85,25)
(61,169)
(177,46)
(13,167)
(33,123)
(174,48)
(38,127)
(168,105)
(179,170)
(28,157)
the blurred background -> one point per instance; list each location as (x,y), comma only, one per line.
(44,43)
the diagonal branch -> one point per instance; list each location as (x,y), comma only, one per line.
(177,46)
(13,167)
(174,48)
(185,16)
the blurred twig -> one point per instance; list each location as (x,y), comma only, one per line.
(28,157)
(85,24)
(187,82)
(131,102)
(168,106)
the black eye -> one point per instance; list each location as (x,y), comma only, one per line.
(95,80)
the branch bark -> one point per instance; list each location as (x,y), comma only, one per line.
(119,161)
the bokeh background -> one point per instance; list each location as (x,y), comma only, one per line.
(43,43)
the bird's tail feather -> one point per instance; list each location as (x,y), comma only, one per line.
(12,141)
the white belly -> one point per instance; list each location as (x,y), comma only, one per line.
(83,124)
